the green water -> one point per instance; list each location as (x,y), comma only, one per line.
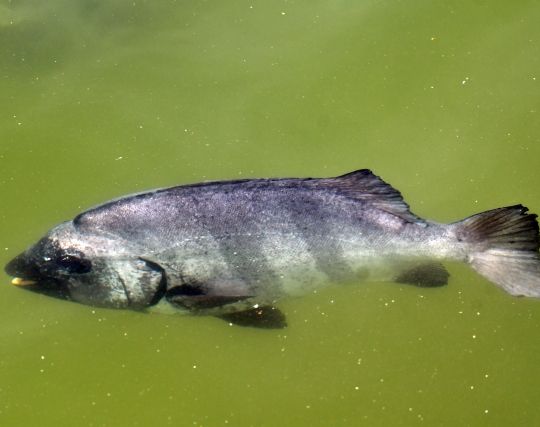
(103,98)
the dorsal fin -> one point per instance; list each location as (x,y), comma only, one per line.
(366,186)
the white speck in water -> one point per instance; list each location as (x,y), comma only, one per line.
(119,158)
(486,411)
(42,357)
(194,366)
(474,337)
(256,306)
(356,388)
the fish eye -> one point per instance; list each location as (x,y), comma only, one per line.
(74,264)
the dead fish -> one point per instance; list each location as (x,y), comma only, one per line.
(232,249)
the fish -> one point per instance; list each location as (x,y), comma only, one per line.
(234,249)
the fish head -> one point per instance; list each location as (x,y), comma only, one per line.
(91,268)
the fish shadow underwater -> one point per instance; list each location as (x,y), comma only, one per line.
(233,249)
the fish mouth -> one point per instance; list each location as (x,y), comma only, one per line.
(26,276)
(19,281)
(45,286)
(23,270)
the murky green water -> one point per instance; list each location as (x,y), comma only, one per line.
(103,98)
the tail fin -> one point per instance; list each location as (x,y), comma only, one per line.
(505,248)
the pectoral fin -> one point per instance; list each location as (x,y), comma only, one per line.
(195,298)
(202,298)
(425,275)
(265,317)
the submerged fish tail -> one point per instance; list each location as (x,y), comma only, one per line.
(504,246)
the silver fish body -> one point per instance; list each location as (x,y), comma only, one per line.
(224,248)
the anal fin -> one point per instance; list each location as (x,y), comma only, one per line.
(425,275)
(265,317)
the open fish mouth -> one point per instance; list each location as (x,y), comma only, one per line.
(24,271)
(19,281)
(46,286)
(26,276)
